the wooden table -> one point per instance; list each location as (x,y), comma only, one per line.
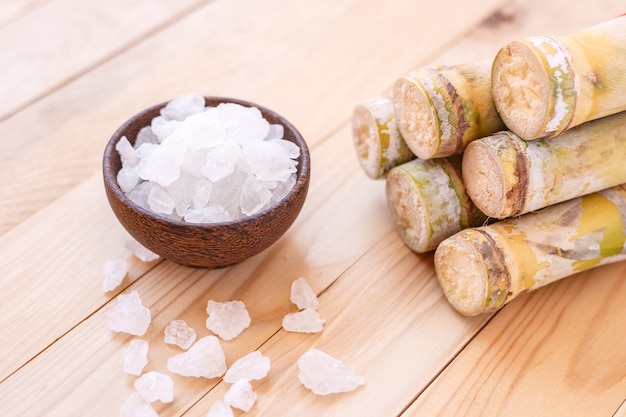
(72,71)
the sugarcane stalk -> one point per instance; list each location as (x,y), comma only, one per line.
(440,109)
(544,85)
(508,176)
(481,269)
(378,143)
(428,203)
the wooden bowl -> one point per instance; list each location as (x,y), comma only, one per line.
(213,245)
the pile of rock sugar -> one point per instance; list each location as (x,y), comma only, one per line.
(204,164)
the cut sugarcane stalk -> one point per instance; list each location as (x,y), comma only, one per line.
(508,176)
(440,109)
(428,202)
(379,145)
(481,269)
(544,85)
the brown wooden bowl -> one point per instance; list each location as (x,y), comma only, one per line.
(213,245)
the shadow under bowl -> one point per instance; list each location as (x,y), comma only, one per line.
(213,245)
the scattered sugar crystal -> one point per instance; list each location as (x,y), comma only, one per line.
(203,156)
(252,366)
(180,334)
(136,406)
(302,295)
(305,321)
(136,356)
(240,395)
(220,409)
(153,386)
(323,374)
(129,315)
(182,107)
(205,358)
(141,252)
(227,319)
(114,271)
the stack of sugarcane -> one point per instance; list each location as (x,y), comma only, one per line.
(512,170)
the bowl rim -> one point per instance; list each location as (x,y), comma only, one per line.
(302,176)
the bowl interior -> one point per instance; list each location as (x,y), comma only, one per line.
(205,245)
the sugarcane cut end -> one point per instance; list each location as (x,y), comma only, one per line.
(408,210)
(484,178)
(471,273)
(416,115)
(365,134)
(520,89)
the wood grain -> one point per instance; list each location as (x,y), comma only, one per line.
(558,351)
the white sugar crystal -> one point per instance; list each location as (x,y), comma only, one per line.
(203,156)
(114,271)
(290,148)
(162,128)
(135,406)
(136,356)
(227,319)
(209,214)
(128,178)
(153,386)
(276,131)
(202,193)
(240,395)
(302,295)
(220,409)
(268,160)
(283,188)
(141,252)
(128,155)
(252,366)
(205,358)
(243,123)
(221,160)
(323,374)
(163,165)
(180,334)
(145,135)
(129,315)
(181,107)
(305,321)
(254,196)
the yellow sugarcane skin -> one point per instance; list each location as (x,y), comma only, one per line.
(433,204)
(477,115)
(563,239)
(583,160)
(598,56)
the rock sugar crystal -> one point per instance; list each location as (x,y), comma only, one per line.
(205,358)
(129,315)
(323,374)
(207,164)
(227,319)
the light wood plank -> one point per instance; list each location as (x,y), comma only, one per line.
(55,46)
(325,241)
(15,9)
(554,352)
(316,72)
(621,412)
